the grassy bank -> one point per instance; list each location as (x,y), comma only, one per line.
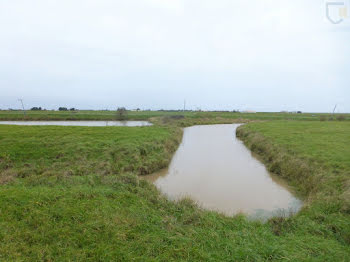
(53,151)
(315,158)
(73,194)
(145,115)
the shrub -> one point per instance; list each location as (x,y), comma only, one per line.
(62,109)
(341,118)
(177,117)
(121,113)
(323,118)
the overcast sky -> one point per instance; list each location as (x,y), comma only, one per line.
(269,55)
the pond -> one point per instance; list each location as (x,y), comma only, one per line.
(77,123)
(217,171)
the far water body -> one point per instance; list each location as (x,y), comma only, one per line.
(76,123)
(217,171)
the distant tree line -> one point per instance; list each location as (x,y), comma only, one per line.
(36,108)
(66,109)
(59,109)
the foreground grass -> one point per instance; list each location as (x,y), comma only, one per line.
(73,194)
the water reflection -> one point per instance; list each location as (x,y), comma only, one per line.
(77,123)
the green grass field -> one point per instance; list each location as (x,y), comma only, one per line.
(145,115)
(73,194)
(328,143)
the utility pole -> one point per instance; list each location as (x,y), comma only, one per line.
(334,109)
(21,100)
(184,105)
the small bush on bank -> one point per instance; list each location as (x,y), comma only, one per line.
(122,113)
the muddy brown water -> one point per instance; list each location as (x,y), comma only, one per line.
(217,171)
(76,123)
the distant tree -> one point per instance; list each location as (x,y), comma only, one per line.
(36,109)
(72,109)
(299,112)
(138,109)
(122,113)
(62,109)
